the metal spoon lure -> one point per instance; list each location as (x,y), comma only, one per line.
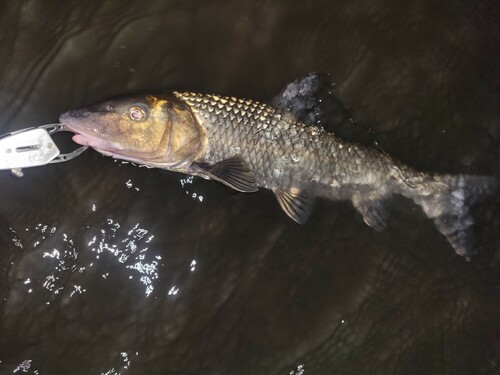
(33,147)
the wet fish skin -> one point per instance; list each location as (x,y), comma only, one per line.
(164,136)
(246,144)
(282,152)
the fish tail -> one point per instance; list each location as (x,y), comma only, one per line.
(448,200)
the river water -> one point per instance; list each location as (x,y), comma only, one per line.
(107,268)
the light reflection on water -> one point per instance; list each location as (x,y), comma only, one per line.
(24,367)
(192,266)
(129,184)
(15,239)
(129,245)
(299,371)
(173,291)
(123,367)
(187,183)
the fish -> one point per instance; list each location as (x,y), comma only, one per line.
(246,145)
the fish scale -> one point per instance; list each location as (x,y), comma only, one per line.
(282,152)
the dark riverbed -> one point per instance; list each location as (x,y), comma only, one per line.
(108,268)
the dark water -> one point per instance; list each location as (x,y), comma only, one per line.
(107,268)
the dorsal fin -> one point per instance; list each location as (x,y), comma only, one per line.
(312,101)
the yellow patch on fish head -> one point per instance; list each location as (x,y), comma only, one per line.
(156,130)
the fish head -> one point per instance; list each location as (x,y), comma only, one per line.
(158,131)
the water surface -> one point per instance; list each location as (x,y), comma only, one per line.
(108,268)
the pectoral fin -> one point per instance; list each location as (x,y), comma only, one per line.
(233,172)
(296,203)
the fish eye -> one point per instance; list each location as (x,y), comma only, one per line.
(137,113)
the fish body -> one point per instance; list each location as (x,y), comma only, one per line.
(247,145)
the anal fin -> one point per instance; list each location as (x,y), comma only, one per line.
(232,172)
(296,203)
(371,207)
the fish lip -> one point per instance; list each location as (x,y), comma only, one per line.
(85,138)
(100,145)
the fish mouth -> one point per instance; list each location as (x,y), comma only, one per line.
(97,144)
(73,120)
(85,135)
(102,146)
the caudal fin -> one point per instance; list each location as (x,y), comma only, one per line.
(449,207)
